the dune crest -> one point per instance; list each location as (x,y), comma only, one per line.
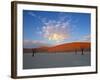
(67,47)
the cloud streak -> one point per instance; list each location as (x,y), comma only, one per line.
(86,38)
(34,43)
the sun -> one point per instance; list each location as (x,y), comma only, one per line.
(56,37)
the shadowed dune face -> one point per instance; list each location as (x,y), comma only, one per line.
(40,49)
(67,47)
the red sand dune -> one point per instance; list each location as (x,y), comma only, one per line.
(70,47)
(62,48)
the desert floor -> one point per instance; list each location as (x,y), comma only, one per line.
(53,60)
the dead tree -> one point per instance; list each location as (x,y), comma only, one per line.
(82,51)
(33,51)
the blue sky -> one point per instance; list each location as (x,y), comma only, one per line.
(42,28)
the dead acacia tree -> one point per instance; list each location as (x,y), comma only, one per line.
(82,51)
(33,51)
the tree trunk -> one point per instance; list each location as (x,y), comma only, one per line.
(33,52)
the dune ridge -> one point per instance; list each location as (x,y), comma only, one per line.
(66,47)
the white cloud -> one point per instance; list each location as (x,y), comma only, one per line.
(34,43)
(56,30)
(32,14)
(86,38)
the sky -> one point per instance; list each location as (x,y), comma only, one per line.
(47,28)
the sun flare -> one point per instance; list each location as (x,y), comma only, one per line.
(56,37)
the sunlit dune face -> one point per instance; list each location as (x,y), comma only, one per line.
(56,37)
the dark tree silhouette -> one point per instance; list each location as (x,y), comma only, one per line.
(34,51)
(82,49)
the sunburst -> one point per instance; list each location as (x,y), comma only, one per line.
(56,37)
